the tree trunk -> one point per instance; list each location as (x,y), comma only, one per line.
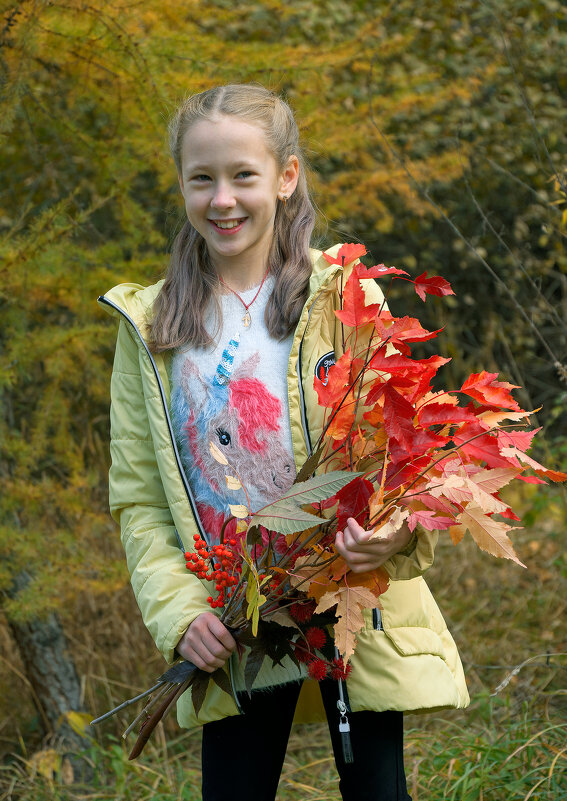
(52,675)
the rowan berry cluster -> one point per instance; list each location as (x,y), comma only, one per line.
(214,563)
(319,668)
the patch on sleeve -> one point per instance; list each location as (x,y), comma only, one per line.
(323,366)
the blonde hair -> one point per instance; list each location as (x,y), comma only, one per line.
(191,281)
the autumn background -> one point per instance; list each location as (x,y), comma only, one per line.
(436,136)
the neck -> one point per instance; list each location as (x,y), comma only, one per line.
(241,280)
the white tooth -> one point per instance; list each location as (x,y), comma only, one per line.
(228,224)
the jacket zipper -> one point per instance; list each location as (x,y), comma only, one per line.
(342,703)
(204,535)
(190,497)
(298,368)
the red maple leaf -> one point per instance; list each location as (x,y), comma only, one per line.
(396,410)
(398,474)
(483,448)
(355,312)
(483,387)
(429,521)
(518,439)
(432,286)
(377,271)
(442,413)
(402,330)
(353,501)
(421,442)
(338,379)
(346,254)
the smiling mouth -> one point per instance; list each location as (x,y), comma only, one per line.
(226,225)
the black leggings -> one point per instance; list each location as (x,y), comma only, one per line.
(243,755)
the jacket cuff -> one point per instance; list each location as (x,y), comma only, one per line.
(404,565)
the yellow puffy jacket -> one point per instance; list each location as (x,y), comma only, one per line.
(405,658)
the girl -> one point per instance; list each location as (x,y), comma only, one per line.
(226,350)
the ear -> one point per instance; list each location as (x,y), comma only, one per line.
(289,178)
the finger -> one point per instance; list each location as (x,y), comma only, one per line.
(221,633)
(206,658)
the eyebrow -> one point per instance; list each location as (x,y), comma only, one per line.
(236,166)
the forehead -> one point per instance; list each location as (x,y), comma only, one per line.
(222,138)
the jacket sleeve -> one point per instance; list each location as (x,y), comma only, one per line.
(169,597)
(416,562)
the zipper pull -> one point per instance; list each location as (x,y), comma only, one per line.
(344,729)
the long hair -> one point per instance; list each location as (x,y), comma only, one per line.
(190,281)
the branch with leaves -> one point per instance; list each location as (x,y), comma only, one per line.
(392,450)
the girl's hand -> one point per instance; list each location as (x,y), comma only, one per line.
(207,643)
(360,554)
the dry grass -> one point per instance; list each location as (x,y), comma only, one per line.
(511,746)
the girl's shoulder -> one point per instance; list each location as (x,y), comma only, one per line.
(321,267)
(133,300)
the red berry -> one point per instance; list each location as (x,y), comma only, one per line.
(338,669)
(316,637)
(317,669)
(302,612)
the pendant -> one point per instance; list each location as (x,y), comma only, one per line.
(247,319)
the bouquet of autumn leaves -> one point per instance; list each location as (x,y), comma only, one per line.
(392,450)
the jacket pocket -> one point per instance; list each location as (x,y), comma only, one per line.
(413,641)
(411,619)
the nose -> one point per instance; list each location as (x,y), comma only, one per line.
(223,197)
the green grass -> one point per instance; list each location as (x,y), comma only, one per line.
(510,745)
(499,750)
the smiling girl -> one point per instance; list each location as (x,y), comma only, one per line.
(226,350)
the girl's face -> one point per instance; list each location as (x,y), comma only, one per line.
(231,184)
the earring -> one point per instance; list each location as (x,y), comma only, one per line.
(284,199)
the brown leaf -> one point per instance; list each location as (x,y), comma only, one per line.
(489,534)
(309,466)
(350,603)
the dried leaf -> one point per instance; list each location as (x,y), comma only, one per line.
(309,466)
(233,483)
(238,510)
(392,524)
(350,602)
(46,762)
(489,534)
(217,455)
(282,618)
